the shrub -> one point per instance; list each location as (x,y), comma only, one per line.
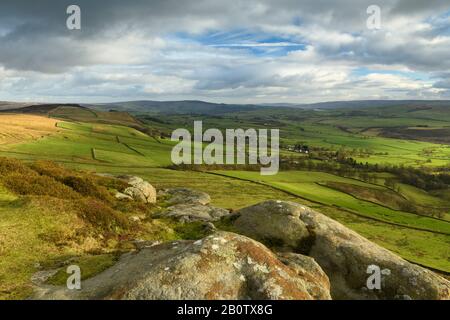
(87,187)
(38,185)
(8,166)
(51,169)
(135,207)
(91,200)
(101,215)
(112,183)
(192,231)
(85,183)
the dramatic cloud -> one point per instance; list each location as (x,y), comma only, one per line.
(242,51)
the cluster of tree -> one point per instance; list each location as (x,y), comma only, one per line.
(212,167)
(333,167)
(418,177)
(349,167)
(343,164)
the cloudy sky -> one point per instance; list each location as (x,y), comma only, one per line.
(242,51)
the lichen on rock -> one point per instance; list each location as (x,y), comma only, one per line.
(221,266)
(343,254)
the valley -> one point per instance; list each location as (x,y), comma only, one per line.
(367,195)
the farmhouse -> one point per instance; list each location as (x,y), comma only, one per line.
(299,148)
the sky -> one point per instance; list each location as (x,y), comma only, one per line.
(241,51)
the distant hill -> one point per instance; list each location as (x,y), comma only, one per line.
(76,112)
(196,107)
(363,104)
(208,108)
(38,108)
(6,105)
(175,107)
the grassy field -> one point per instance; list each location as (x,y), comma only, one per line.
(23,226)
(20,128)
(425,248)
(92,143)
(310,185)
(336,130)
(93,116)
(421,197)
(374,149)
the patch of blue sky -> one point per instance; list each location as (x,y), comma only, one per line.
(440,24)
(414,75)
(447,13)
(257,43)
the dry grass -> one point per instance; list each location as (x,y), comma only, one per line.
(15,128)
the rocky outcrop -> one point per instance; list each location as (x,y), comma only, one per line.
(187,205)
(194,212)
(139,190)
(221,266)
(312,257)
(306,267)
(344,255)
(122,196)
(186,196)
(274,224)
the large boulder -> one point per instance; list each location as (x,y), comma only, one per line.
(307,267)
(275,224)
(139,190)
(221,266)
(343,254)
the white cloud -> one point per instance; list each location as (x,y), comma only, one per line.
(155,50)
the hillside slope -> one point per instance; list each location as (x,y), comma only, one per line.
(119,149)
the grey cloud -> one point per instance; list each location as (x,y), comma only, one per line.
(419,6)
(33,37)
(39,23)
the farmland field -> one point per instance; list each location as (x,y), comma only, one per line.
(19,128)
(92,143)
(81,141)
(308,185)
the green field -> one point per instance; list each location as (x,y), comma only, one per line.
(104,143)
(336,130)
(308,186)
(95,143)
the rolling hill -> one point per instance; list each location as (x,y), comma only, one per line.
(175,107)
(108,142)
